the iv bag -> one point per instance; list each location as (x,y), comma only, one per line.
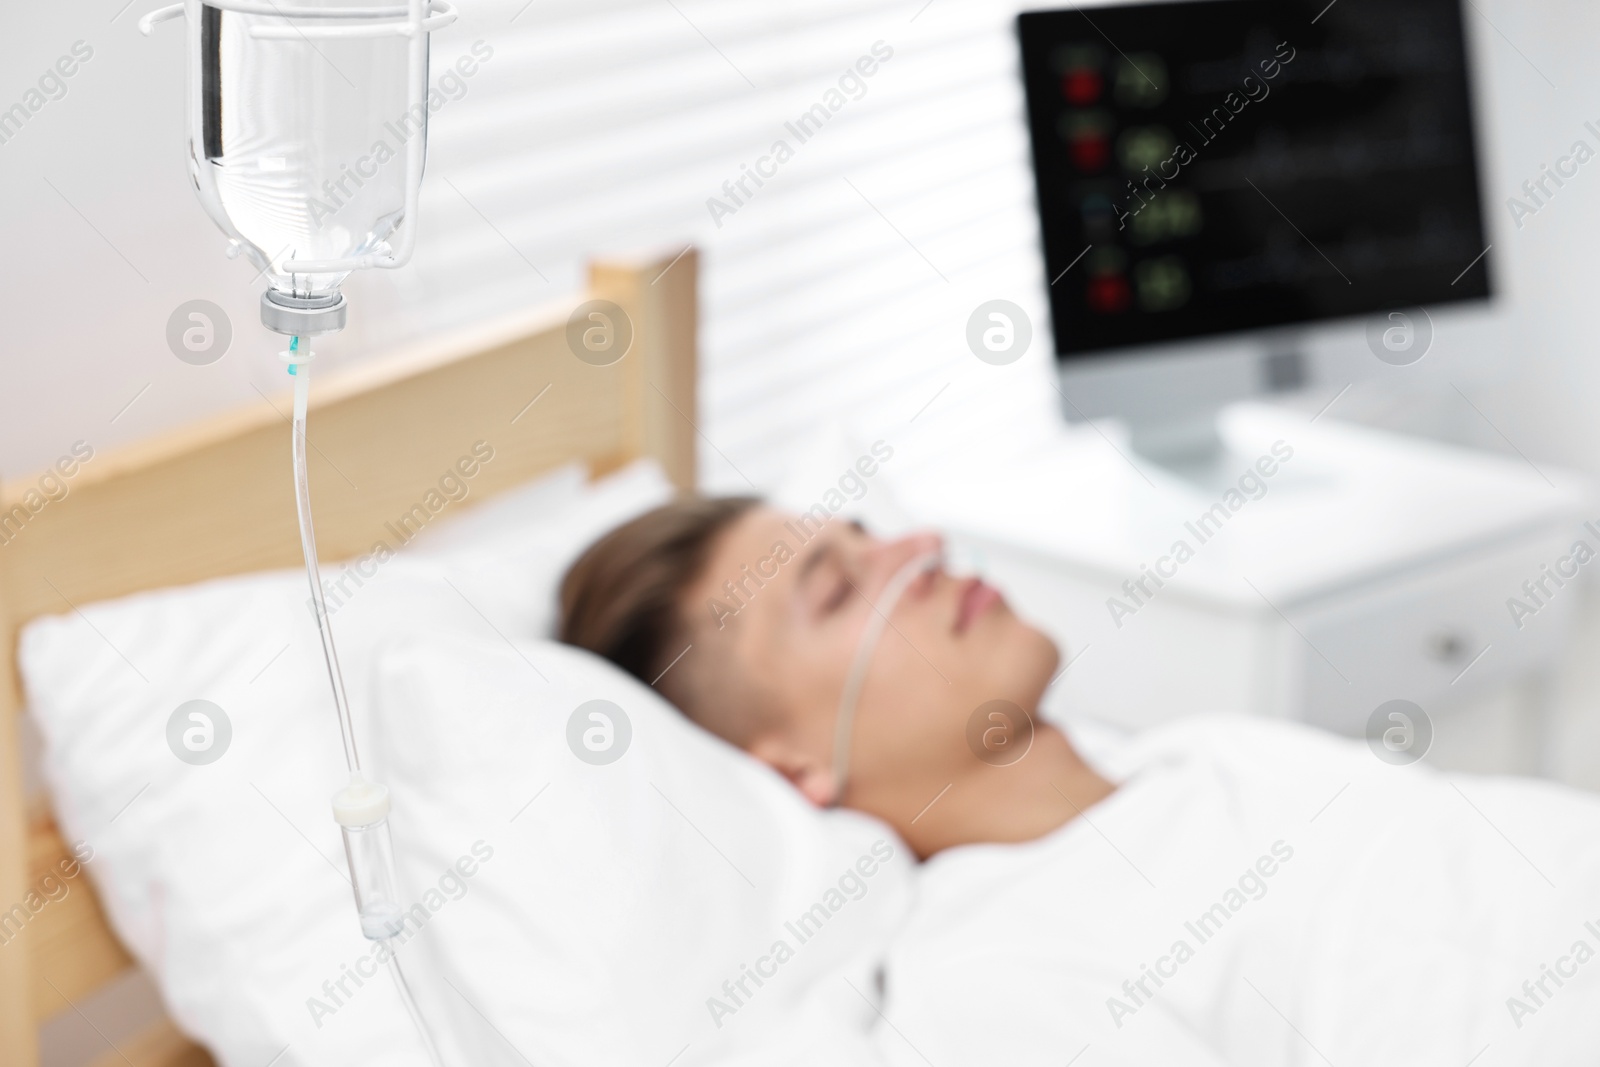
(307,131)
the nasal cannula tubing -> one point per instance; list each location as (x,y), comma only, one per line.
(844,725)
(362,807)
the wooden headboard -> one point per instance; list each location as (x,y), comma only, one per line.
(216,499)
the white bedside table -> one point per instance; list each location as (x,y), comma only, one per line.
(1372,567)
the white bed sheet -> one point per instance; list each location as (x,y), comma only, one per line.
(1403,911)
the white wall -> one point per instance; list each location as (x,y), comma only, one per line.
(607,124)
(1549,395)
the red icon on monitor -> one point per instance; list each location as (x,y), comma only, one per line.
(1109,294)
(1091,151)
(1082,85)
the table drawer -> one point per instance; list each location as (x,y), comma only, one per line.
(1438,636)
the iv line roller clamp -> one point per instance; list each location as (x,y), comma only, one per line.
(284,98)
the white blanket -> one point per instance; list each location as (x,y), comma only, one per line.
(1257,893)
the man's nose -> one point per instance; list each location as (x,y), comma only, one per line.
(892,555)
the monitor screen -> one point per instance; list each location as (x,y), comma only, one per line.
(1214,166)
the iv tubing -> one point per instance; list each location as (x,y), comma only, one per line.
(844,724)
(299,359)
(412,1008)
(301,369)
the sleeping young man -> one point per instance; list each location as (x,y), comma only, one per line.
(1213,892)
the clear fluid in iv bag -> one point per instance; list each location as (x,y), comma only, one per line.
(299,148)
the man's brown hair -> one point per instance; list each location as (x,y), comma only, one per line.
(623,598)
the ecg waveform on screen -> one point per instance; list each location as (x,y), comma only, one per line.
(1230,164)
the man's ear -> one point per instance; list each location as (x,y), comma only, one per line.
(813,777)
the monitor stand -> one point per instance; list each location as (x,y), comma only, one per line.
(1189,445)
(1190,449)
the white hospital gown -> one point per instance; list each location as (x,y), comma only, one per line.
(1260,893)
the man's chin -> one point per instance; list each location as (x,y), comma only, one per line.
(1049,659)
(1019,664)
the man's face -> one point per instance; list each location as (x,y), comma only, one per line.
(784,639)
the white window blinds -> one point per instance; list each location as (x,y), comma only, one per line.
(895,196)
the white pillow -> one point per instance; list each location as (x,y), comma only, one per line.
(226,880)
(506,556)
(610,902)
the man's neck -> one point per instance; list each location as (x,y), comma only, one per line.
(1044,790)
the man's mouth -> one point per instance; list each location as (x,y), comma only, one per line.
(977,597)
